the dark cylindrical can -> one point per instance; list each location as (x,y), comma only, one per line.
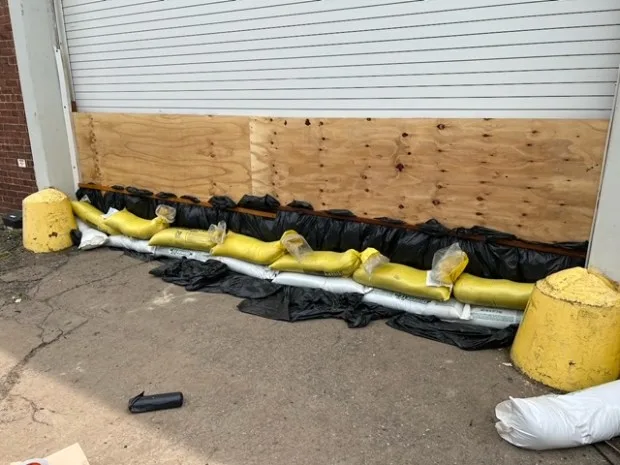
(142,403)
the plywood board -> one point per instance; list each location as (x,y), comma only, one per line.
(537,179)
(184,154)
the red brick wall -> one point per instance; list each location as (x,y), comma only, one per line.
(15,183)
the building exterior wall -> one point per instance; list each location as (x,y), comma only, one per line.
(15,182)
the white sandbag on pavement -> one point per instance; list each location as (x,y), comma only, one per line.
(247,268)
(560,421)
(91,237)
(129,243)
(448,310)
(174,252)
(488,317)
(335,285)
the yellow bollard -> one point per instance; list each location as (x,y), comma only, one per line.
(48,220)
(570,335)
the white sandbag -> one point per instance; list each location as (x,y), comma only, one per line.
(91,237)
(111,211)
(560,421)
(174,252)
(129,243)
(247,268)
(335,285)
(451,309)
(492,317)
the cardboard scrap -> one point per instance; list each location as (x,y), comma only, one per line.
(72,455)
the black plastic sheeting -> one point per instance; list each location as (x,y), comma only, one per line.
(286,303)
(466,337)
(414,248)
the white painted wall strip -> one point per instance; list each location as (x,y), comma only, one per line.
(604,253)
(66,107)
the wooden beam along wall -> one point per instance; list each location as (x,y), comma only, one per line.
(537,179)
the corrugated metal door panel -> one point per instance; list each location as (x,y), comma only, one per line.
(383,31)
(536,58)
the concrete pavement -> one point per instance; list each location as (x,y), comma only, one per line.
(81,333)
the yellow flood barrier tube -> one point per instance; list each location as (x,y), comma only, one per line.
(570,335)
(48,221)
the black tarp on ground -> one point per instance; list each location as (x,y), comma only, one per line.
(287,303)
(466,337)
(415,248)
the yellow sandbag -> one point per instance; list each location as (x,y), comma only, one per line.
(398,278)
(183,238)
(324,263)
(499,293)
(249,249)
(93,216)
(134,226)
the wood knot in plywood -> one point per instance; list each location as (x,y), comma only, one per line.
(307,123)
(400,167)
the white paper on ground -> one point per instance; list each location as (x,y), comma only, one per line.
(444,310)
(72,455)
(335,285)
(250,269)
(560,421)
(91,237)
(124,242)
(174,252)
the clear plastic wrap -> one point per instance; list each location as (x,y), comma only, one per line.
(217,232)
(295,244)
(371,259)
(448,264)
(166,212)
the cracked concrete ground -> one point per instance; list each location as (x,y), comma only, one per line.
(80,333)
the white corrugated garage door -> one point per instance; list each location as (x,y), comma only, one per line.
(457,58)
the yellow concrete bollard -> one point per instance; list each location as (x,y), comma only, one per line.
(570,335)
(48,221)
